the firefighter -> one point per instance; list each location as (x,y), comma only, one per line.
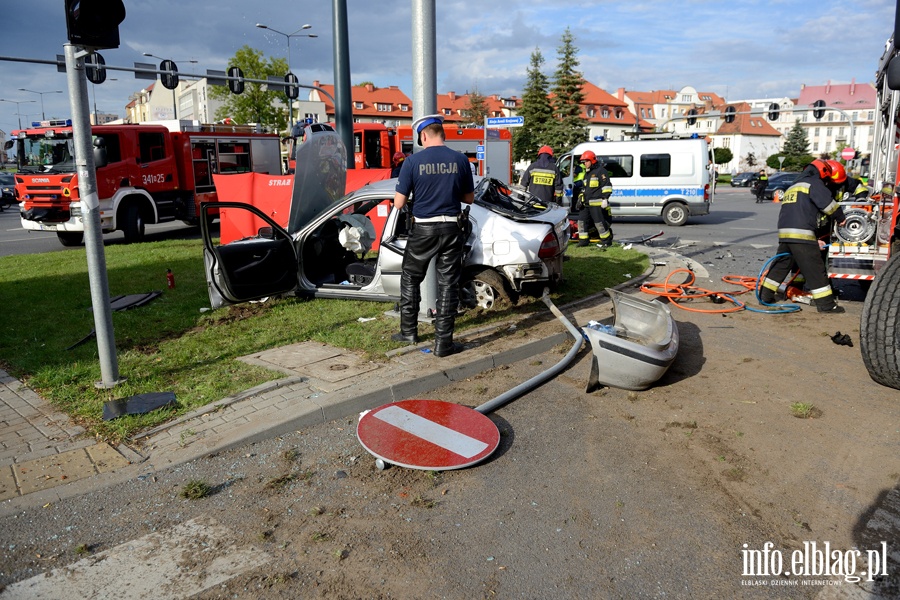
(761,183)
(597,190)
(396,163)
(853,189)
(543,179)
(806,204)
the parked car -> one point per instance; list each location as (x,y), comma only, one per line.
(352,247)
(745,179)
(778,183)
(7,190)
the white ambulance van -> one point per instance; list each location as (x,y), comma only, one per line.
(668,178)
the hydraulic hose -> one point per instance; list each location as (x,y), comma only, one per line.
(522,388)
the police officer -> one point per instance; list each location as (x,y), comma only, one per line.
(438,179)
(543,179)
(805,204)
(761,183)
(597,190)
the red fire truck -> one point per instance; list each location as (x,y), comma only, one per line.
(146,173)
(374,144)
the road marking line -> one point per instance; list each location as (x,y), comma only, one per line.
(437,434)
(163,565)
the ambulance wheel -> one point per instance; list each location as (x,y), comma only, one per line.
(70,238)
(675,214)
(879,326)
(133,227)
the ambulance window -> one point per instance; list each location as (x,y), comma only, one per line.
(656,165)
(619,166)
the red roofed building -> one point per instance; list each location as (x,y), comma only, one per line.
(845,103)
(607,115)
(454,107)
(370,104)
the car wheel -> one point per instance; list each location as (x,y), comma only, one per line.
(70,238)
(484,289)
(675,214)
(133,227)
(777,195)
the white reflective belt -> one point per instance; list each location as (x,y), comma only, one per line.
(438,219)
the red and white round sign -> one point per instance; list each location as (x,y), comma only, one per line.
(848,153)
(428,434)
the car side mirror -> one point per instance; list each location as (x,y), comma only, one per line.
(266,233)
(100,156)
(8,145)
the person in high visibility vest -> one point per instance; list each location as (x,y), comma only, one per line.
(852,189)
(761,183)
(543,179)
(597,190)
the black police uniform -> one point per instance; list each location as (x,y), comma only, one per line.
(435,180)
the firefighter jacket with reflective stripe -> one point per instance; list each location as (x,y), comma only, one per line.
(853,189)
(543,179)
(804,204)
(597,186)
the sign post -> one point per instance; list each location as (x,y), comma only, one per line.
(495,122)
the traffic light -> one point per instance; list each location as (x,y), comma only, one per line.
(236,85)
(94,24)
(818,109)
(692,116)
(773,111)
(729,114)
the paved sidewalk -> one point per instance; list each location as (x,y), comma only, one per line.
(45,458)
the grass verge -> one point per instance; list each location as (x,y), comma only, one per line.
(174,344)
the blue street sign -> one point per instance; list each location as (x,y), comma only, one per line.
(479,155)
(479,148)
(505,121)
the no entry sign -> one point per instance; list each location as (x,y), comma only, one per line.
(428,434)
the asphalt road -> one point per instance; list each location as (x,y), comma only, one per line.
(16,240)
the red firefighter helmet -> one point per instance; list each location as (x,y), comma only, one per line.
(398,158)
(838,172)
(823,168)
(545,150)
(588,155)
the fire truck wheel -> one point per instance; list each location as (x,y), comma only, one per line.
(70,238)
(880,326)
(133,227)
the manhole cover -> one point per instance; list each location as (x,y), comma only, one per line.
(338,367)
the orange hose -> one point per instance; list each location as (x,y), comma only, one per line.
(679,293)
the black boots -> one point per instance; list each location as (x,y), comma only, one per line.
(410,339)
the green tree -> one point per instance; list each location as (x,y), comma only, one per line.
(722,156)
(476,111)
(535,109)
(570,127)
(254,105)
(796,143)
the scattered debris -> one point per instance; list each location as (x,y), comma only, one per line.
(842,339)
(137,405)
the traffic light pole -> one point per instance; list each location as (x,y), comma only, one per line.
(90,210)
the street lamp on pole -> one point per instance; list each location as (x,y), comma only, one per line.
(174,104)
(288,37)
(17,103)
(41,94)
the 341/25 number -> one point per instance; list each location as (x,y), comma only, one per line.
(149,178)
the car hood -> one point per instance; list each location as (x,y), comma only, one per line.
(320,175)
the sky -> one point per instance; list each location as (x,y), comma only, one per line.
(736,49)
